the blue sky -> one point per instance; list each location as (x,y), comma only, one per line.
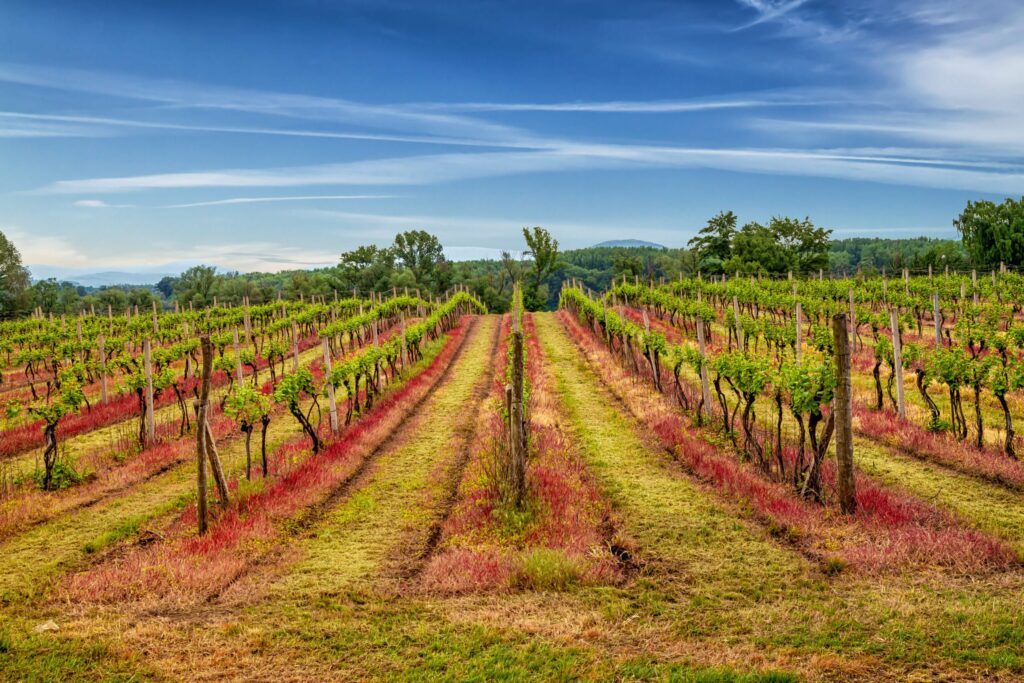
(269,135)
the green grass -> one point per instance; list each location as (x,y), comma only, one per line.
(358,535)
(55,656)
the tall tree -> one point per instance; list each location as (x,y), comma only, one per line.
(713,244)
(197,285)
(544,250)
(993,232)
(421,253)
(14,280)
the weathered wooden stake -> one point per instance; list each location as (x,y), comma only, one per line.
(147,366)
(295,346)
(103,369)
(238,358)
(799,332)
(200,405)
(705,387)
(332,403)
(937,318)
(844,417)
(897,362)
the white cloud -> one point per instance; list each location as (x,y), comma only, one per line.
(430,169)
(257,200)
(186,95)
(100,204)
(40,248)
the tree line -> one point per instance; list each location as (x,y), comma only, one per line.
(990,234)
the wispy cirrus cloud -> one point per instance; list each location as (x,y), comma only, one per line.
(439,168)
(187,95)
(260,200)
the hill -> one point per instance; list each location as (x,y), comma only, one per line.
(630,243)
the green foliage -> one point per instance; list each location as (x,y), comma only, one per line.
(993,233)
(543,248)
(810,386)
(247,405)
(292,389)
(14,280)
(64,475)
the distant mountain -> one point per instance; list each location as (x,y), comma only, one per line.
(97,279)
(630,243)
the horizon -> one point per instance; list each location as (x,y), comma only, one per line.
(145,137)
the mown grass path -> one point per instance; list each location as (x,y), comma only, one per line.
(673,520)
(34,557)
(990,507)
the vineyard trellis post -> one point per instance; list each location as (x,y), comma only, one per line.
(897,362)
(799,333)
(853,323)
(102,343)
(844,416)
(147,367)
(332,403)
(937,319)
(295,346)
(705,388)
(517,432)
(238,358)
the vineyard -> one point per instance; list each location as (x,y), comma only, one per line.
(705,479)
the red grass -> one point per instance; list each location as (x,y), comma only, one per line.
(890,531)
(989,463)
(567,512)
(187,567)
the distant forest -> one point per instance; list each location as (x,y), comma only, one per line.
(991,234)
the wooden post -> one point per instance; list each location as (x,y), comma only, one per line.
(937,318)
(188,360)
(156,325)
(332,404)
(736,314)
(295,346)
(103,369)
(844,417)
(853,323)
(147,366)
(799,332)
(705,387)
(238,359)
(517,431)
(897,362)
(200,405)
(405,356)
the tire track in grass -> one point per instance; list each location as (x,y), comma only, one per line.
(420,548)
(32,559)
(675,522)
(354,539)
(306,525)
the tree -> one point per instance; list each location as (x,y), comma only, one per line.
(993,232)
(196,285)
(805,244)
(756,249)
(14,280)
(421,253)
(713,244)
(544,250)
(366,269)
